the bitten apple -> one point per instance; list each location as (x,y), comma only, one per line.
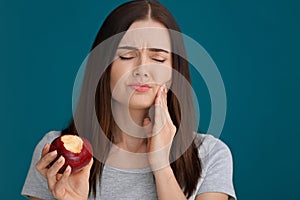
(76,150)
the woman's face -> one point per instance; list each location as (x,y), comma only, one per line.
(143,63)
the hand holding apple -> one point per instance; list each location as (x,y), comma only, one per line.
(73,186)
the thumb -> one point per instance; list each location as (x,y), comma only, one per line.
(86,169)
(147,125)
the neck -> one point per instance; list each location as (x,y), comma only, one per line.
(129,132)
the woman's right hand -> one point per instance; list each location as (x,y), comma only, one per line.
(64,186)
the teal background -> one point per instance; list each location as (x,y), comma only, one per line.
(255,45)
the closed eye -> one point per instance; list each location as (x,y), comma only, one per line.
(158,60)
(126,57)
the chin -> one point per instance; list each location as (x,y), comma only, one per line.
(141,102)
(140,106)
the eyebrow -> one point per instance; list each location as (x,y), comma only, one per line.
(150,49)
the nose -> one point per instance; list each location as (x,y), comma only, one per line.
(141,72)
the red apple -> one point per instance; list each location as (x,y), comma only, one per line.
(76,150)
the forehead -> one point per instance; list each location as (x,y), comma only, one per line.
(147,34)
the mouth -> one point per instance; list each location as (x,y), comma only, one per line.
(140,87)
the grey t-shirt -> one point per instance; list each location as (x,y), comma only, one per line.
(139,184)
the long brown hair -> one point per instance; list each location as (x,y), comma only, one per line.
(187,168)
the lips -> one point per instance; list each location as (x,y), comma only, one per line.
(140,87)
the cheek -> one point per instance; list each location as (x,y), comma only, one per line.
(162,74)
(119,76)
(115,78)
(116,74)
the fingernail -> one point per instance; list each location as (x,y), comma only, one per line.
(53,153)
(147,119)
(165,88)
(60,159)
(161,88)
(68,168)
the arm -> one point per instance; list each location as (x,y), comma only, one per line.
(159,150)
(212,196)
(166,182)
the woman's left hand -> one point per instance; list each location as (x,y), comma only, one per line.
(160,133)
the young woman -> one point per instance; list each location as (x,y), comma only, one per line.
(137,110)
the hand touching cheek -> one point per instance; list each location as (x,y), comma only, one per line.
(160,133)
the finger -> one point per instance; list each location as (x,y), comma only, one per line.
(44,162)
(162,106)
(87,168)
(59,192)
(45,149)
(158,95)
(164,97)
(60,186)
(52,172)
(58,176)
(165,104)
(147,125)
(64,178)
(169,122)
(162,112)
(159,119)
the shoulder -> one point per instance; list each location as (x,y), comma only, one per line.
(217,166)
(47,138)
(211,147)
(35,184)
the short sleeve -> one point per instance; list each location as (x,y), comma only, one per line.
(35,184)
(218,169)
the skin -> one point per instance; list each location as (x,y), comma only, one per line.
(144,66)
(145,60)
(65,186)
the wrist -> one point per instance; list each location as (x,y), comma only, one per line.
(163,172)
